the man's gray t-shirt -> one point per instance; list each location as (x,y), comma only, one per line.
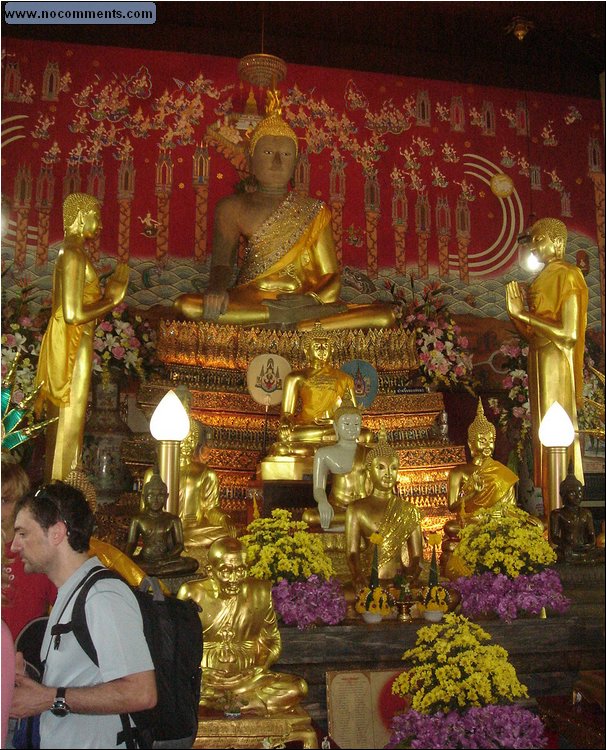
(114,620)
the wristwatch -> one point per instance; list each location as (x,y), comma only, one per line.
(60,707)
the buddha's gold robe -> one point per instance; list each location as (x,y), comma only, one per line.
(555,372)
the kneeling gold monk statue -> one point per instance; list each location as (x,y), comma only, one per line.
(160,534)
(241,636)
(290,275)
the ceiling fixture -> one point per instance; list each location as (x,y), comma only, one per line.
(519,27)
(262,70)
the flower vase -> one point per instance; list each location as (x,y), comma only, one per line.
(104,434)
(371,617)
(433,615)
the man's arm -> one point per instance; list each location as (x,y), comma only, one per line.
(134,692)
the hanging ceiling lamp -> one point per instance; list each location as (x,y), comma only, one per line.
(519,27)
(260,69)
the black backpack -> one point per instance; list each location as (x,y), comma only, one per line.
(173,632)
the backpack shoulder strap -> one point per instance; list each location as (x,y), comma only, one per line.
(78,623)
(60,628)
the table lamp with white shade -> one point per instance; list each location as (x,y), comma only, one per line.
(556,433)
(169,425)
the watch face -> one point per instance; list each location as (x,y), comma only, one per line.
(60,707)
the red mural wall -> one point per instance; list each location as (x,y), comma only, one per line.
(422,176)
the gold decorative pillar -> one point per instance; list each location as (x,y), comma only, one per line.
(164,181)
(22,204)
(337,199)
(95,185)
(399,220)
(423,227)
(126,192)
(302,174)
(422,263)
(463,222)
(201,170)
(45,188)
(443,226)
(72,181)
(372,204)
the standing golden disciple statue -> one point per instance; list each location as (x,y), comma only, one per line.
(66,355)
(383,512)
(290,275)
(554,327)
(241,636)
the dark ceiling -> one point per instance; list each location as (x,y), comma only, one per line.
(461,41)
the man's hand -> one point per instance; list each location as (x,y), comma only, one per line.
(30,697)
(215,304)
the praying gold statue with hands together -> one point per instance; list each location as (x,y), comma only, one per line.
(66,354)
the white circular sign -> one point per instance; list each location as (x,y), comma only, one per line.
(265,378)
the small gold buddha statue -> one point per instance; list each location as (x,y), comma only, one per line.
(290,276)
(310,398)
(241,636)
(160,534)
(484,487)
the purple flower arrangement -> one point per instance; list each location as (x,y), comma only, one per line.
(478,727)
(490,593)
(316,601)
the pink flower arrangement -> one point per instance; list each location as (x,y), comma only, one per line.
(22,332)
(444,356)
(508,597)
(124,342)
(316,601)
(513,410)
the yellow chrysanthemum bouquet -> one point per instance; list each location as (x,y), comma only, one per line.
(374,598)
(451,668)
(279,548)
(462,692)
(506,546)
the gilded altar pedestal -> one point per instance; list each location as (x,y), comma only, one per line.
(211,360)
(217,731)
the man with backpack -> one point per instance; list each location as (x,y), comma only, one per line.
(81,705)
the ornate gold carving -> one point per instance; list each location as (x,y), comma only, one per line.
(209,345)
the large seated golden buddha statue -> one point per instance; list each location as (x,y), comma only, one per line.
(290,275)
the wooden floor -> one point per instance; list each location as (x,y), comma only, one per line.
(547,654)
